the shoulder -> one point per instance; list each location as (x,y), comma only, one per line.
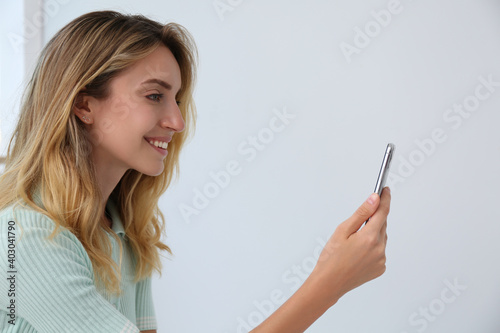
(26,216)
(55,288)
(31,227)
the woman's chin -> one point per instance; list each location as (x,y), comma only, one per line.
(152,172)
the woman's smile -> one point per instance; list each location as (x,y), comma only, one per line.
(160,144)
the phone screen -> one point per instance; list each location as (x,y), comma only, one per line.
(384,168)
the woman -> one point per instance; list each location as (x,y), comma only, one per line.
(102,123)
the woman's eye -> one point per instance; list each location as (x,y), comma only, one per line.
(155,97)
(178,102)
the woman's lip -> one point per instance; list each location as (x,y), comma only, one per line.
(162,151)
(166,139)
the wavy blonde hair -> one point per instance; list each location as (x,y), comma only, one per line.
(50,148)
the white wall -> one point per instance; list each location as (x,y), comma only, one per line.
(11,68)
(258,234)
(21,32)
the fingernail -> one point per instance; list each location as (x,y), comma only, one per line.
(388,189)
(371,199)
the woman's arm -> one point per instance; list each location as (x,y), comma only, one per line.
(351,257)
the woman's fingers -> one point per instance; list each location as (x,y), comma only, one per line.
(378,222)
(353,256)
(365,211)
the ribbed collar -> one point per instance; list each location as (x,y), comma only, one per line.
(117,225)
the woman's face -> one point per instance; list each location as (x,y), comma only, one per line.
(132,127)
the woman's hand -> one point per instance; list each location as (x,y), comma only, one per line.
(352,255)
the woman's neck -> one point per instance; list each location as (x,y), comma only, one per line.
(108,176)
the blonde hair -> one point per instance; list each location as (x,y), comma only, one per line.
(50,147)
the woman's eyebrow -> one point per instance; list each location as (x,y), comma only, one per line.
(160,82)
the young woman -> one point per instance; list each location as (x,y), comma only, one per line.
(102,123)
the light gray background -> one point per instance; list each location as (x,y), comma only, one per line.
(259,234)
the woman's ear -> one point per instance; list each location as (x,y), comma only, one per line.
(81,108)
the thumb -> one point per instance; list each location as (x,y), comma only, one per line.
(365,211)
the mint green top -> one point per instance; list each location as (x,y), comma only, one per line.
(51,283)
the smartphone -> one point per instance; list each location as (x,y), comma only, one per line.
(384,168)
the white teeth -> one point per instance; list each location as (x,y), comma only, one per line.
(159,144)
